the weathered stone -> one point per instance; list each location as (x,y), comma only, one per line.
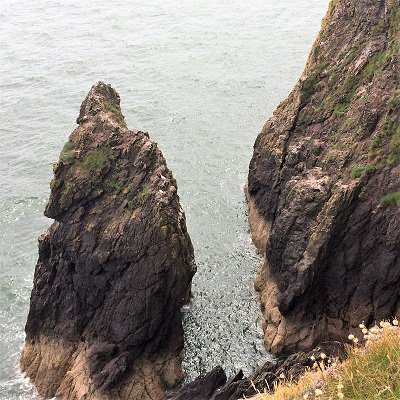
(202,387)
(114,268)
(317,180)
(212,386)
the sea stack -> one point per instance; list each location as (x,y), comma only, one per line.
(114,268)
(324,183)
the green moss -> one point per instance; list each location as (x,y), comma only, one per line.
(316,52)
(67,154)
(357,172)
(389,127)
(68,189)
(114,186)
(138,198)
(309,86)
(392,129)
(305,117)
(110,107)
(97,159)
(391,199)
(376,144)
(340,110)
(394,102)
(394,20)
(376,64)
(393,159)
(144,193)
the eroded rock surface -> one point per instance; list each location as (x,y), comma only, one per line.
(114,268)
(323,183)
(214,385)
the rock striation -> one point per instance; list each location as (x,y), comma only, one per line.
(324,182)
(114,268)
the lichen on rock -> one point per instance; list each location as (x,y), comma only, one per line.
(321,166)
(114,268)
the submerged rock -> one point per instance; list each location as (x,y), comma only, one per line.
(323,185)
(114,268)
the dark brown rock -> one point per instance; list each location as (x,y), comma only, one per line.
(212,386)
(202,387)
(321,168)
(114,268)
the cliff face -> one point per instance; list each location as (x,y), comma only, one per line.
(323,183)
(114,268)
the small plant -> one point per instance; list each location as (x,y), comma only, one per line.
(117,115)
(114,186)
(357,172)
(376,144)
(376,64)
(391,199)
(340,110)
(309,86)
(394,155)
(394,102)
(68,152)
(144,193)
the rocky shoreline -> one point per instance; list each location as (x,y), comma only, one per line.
(323,191)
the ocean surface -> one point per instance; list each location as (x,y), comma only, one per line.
(201,78)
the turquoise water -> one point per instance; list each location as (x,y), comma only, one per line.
(201,77)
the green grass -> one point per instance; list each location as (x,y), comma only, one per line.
(309,86)
(394,102)
(68,189)
(390,131)
(371,371)
(67,153)
(97,159)
(376,64)
(340,110)
(114,186)
(357,172)
(394,155)
(391,199)
(115,113)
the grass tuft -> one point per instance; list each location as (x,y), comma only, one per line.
(357,172)
(391,199)
(68,152)
(371,371)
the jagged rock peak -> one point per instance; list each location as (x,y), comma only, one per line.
(114,268)
(324,182)
(102,98)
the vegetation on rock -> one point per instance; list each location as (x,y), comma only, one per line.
(371,371)
(321,168)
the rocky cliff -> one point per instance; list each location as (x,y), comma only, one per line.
(323,184)
(114,268)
